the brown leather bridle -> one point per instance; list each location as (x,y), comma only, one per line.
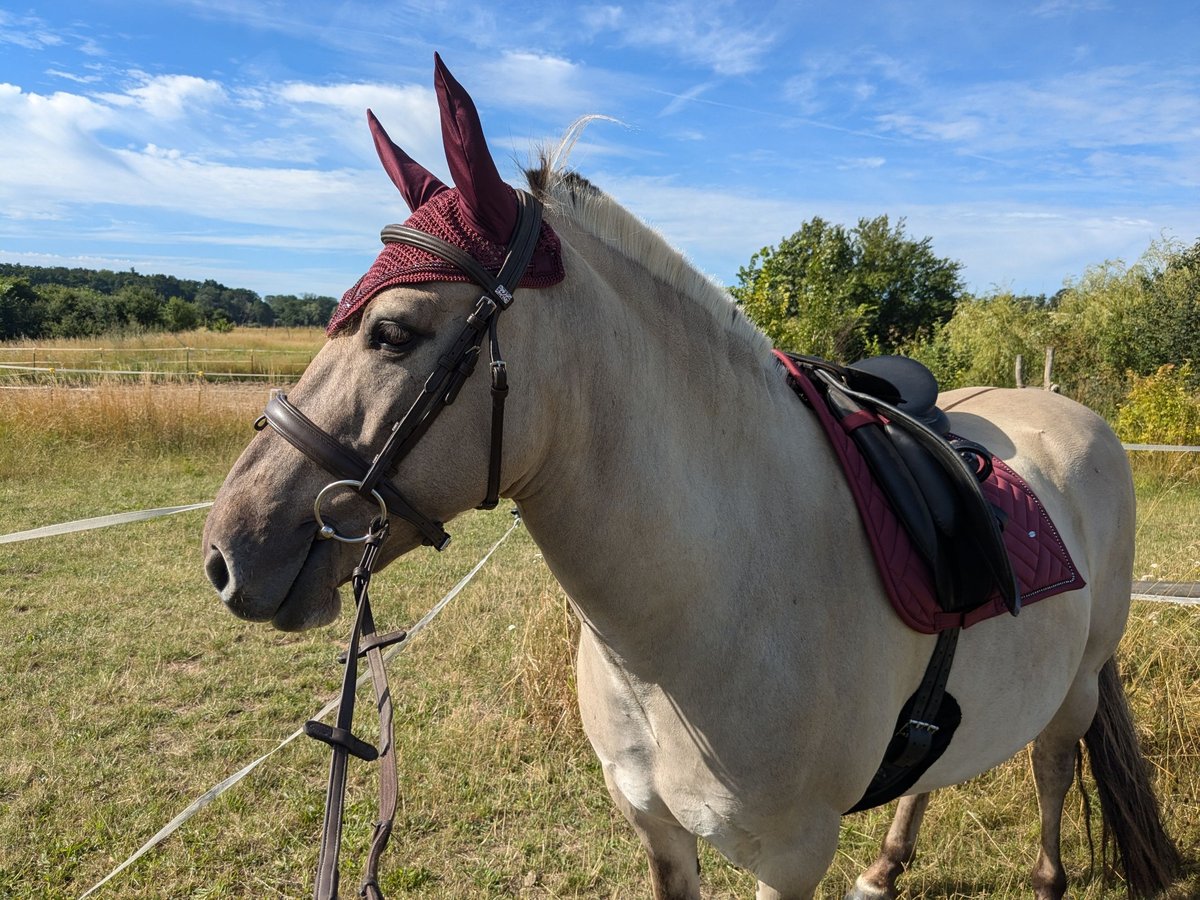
(370,479)
(441,387)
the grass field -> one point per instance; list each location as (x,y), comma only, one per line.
(129,691)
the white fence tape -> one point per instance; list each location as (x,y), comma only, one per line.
(1162,448)
(217,790)
(98,522)
(56,370)
(1184,593)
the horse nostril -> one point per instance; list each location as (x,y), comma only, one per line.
(216,569)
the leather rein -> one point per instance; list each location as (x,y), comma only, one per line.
(370,479)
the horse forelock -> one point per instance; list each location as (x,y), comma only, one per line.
(572,196)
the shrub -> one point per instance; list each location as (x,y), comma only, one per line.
(1162,408)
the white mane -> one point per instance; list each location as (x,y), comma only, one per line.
(600,215)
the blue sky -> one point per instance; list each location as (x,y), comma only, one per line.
(227,139)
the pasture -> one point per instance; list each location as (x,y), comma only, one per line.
(200,355)
(130,691)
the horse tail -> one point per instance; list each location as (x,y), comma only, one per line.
(1130,815)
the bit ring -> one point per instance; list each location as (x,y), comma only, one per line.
(328,532)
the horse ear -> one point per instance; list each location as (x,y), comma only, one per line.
(416,183)
(487,202)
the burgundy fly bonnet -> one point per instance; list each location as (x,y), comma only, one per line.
(478,215)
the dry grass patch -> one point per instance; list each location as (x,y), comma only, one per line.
(273,352)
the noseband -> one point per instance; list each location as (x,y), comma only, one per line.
(441,387)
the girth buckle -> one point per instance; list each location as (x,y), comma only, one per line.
(499,377)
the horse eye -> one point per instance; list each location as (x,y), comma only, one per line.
(389,335)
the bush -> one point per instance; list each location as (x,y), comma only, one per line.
(1162,408)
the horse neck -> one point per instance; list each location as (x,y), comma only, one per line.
(647,478)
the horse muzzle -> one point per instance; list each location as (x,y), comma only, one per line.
(307,600)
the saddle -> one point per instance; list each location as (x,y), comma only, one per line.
(929,481)
(931,478)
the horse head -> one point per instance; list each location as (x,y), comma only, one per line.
(392,334)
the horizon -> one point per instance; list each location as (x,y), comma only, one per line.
(228,140)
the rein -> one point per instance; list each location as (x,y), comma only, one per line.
(370,479)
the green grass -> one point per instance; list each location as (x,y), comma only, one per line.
(1168,535)
(129,691)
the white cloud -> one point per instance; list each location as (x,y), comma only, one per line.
(841,82)
(67,151)
(863,162)
(1100,107)
(681,101)
(168,96)
(29,32)
(713,35)
(338,112)
(601,18)
(1049,9)
(541,81)
(71,76)
(960,130)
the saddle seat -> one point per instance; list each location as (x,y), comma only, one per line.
(915,385)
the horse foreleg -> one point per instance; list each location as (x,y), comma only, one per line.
(878,882)
(671,849)
(674,863)
(793,860)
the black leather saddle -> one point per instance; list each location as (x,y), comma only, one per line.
(888,404)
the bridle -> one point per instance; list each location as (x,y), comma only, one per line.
(441,388)
(370,479)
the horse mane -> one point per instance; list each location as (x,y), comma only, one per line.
(568,193)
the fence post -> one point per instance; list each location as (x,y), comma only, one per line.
(1047,374)
(1020,371)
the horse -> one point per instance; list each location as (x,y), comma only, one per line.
(739,668)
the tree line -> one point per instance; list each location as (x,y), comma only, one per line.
(829,290)
(58,302)
(847,293)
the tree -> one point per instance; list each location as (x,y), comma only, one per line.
(845,294)
(21,310)
(180,315)
(1167,329)
(307,309)
(1120,321)
(981,341)
(139,305)
(78,311)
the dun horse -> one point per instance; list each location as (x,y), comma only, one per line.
(740,669)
